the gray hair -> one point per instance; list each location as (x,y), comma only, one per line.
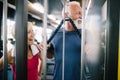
(66,8)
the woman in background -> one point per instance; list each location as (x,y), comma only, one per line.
(35,61)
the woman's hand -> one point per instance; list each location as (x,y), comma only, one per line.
(11,60)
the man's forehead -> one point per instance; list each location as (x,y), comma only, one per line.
(75,8)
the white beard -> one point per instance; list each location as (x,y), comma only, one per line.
(78,23)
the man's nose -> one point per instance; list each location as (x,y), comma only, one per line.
(80,17)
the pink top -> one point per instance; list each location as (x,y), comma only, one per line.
(32,68)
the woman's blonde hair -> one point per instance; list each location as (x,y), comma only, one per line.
(13,28)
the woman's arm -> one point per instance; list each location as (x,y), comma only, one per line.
(40,64)
(1,63)
(9,57)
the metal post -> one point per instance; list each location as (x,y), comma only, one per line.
(83,40)
(45,38)
(113,13)
(1,0)
(21,39)
(119,52)
(5,38)
(63,48)
(1,21)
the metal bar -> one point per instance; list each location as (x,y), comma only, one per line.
(1,0)
(83,40)
(63,54)
(119,52)
(21,39)
(105,57)
(113,14)
(1,32)
(63,48)
(5,39)
(45,38)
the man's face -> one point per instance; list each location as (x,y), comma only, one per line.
(76,15)
(75,12)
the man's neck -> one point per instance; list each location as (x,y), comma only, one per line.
(68,27)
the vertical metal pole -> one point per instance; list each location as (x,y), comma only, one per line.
(1,17)
(105,54)
(66,2)
(21,39)
(83,40)
(113,13)
(5,38)
(63,54)
(119,52)
(45,37)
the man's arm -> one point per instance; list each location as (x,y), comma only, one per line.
(50,51)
